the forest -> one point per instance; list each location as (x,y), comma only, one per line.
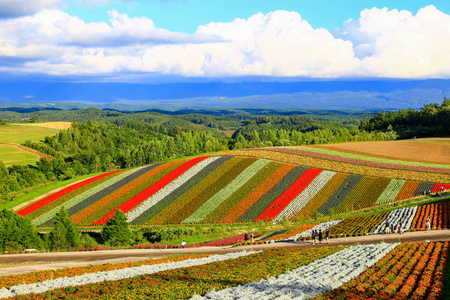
(115,140)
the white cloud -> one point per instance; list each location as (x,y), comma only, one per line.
(15,8)
(380,43)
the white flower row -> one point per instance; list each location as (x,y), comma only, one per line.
(213,202)
(77,199)
(169,188)
(405,215)
(322,226)
(316,278)
(113,275)
(305,196)
(391,191)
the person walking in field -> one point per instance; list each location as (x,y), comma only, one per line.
(399,228)
(313,236)
(428,222)
(183,244)
(327,235)
(320,236)
(246,237)
(251,236)
(387,228)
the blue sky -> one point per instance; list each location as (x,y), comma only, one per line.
(187,15)
(196,40)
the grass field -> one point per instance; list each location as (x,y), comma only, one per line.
(13,155)
(433,150)
(18,134)
(12,136)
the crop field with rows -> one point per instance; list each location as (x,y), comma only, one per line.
(221,189)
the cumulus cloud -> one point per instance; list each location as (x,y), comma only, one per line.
(380,43)
(16,8)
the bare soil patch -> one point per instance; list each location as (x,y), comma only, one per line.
(420,150)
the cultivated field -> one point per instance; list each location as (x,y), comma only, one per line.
(51,125)
(432,150)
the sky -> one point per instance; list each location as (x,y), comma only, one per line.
(232,40)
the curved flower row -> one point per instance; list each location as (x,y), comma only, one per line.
(182,175)
(368,161)
(212,203)
(293,208)
(404,215)
(343,167)
(289,195)
(112,275)
(311,280)
(407,190)
(358,193)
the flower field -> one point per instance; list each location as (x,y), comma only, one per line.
(411,270)
(221,189)
(439,216)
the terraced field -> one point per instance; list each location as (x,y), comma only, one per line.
(221,189)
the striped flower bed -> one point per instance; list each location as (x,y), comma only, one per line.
(290,194)
(305,196)
(407,190)
(271,195)
(322,197)
(258,193)
(341,193)
(73,204)
(440,187)
(29,209)
(194,166)
(405,215)
(209,206)
(100,208)
(424,187)
(155,211)
(213,183)
(231,202)
(390,193)
(358,226)
(322,226)
(439,214)
(358,193)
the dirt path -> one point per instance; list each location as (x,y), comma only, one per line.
(46,261)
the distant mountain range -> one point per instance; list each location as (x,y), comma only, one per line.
(342,95)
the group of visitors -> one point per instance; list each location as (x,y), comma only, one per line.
(390,228)
(319,236)
(249,237)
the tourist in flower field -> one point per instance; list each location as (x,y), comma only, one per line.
(327,235)
(400,227)
(392,228)
(183,244)
(387,227)
(246,236)
(428,223)
(313,236)
(251,236)
(320,236)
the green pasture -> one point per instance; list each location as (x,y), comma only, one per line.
(18,134)
(11,155)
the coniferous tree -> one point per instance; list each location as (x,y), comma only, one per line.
(64,234)
(116,231)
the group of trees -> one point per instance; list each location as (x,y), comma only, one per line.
(432,119)
(17,233)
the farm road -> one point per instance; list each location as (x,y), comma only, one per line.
(46,261)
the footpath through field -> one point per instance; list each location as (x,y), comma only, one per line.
(59,260)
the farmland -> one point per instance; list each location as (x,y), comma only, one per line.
(12,136)
(221,189)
